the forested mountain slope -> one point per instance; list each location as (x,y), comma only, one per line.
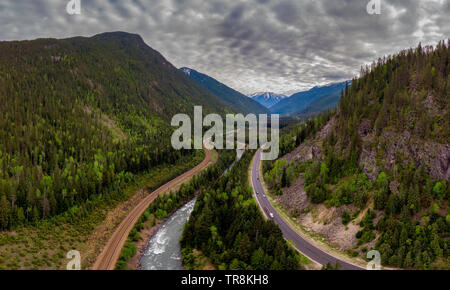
(380,164)
(319,106)
(232,98)
(322,98)
(401,108)
(81,116)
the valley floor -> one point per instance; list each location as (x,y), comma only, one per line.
(111,252)
(45,245)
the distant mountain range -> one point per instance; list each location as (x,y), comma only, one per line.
(310,103)
(267,99)
(229,96)
(317,99)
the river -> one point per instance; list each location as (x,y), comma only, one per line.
(163,251)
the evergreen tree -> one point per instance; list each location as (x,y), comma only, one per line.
(4,212)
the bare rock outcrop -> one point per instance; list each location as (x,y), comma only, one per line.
(391,147)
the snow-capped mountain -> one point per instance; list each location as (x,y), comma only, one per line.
(267,99)
(317,99)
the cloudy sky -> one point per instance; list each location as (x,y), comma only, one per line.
(252,45)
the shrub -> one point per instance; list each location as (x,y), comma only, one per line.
(345,217)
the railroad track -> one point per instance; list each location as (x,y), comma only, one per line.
(110,254)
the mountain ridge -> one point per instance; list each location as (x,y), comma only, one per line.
(381,162)
(300,101)
(267,99)
(231,97)
(96,110)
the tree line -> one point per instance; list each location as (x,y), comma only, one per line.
(229,229)
(409,92)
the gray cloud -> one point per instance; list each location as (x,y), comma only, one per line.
(251,45)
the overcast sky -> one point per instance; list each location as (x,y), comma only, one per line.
(253,45)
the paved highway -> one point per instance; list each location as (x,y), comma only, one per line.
(302,245)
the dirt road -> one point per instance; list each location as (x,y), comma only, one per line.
(110,254)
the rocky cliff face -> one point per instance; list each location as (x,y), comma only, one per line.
(383,152)
(392,148)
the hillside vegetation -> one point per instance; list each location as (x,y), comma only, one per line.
(80,117)
(383,158)
(234,99)
(228,227)
(315,100)
(164,205)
